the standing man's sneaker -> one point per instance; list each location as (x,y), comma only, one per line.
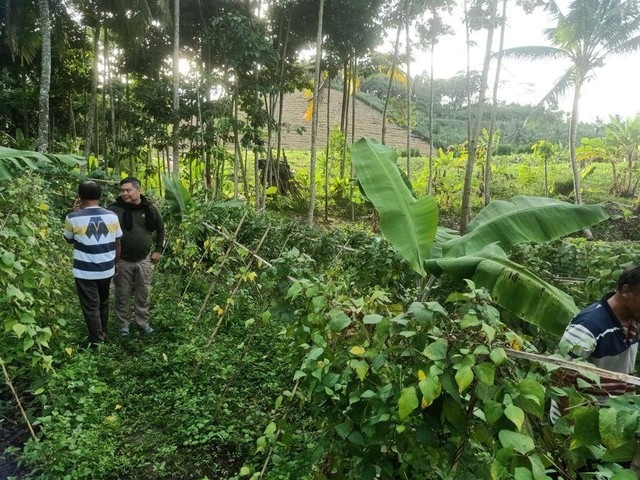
(124,331)
(147,330)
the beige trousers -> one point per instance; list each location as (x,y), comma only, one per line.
(133,279)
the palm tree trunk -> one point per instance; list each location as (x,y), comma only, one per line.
(494,109)
(473,140)
(176,88)
(45,78)
(345,122)
(314,120)
(390,84)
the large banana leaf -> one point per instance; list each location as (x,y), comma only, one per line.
(14,162)
(408,224)
(176,194)
(523,219)
(512,286)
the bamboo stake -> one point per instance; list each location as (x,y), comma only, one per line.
(576,367)
(224,260)
(15,395)
(234,291)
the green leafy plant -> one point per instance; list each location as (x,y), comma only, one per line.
(481,253)
(15,162)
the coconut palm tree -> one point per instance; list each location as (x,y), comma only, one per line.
(587,35)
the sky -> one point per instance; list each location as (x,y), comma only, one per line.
(614,90)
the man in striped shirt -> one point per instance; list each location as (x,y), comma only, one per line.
(95,234)
(606,335)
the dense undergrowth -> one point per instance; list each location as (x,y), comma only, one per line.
(284,352)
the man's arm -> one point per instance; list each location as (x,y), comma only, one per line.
(118,250)
(68,231)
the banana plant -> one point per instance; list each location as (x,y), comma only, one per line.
(14,162)
(481,253)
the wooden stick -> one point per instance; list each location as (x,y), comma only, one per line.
(15,395)
(576,367)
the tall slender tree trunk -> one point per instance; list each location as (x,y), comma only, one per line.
(114,132)
(431,83)
(72,117)
(91,107)
(494,108)
(573,128)
(314,120)
(477,124)
(407,31)
(103,117)
(344,122)
(390,84)
(468,46)
(45,78)
(176,88)
(327,165)
(236,151)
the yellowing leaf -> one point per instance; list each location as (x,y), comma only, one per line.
(357,350)
(421,375)
(69,350)
(423,403)
(219,310)
(252,276)
(111,418)
(43,207)
(43,232)
(118,407)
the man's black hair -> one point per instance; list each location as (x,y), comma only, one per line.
(133,181)
(89,190)
(630,276)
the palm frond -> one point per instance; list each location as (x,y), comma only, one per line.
(551,98)
(535,53)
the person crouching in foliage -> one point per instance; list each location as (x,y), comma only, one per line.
(95,234)
(606,335)
(139,218)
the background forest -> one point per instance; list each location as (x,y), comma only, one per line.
(346,310)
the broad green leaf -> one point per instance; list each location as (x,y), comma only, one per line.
(372,319)
(436,350)
(176,194)
(408,402)
(531,398)
(408,224)
(431,388)
(515,414)
(617,426)
(498,355)
(517,441)
(492,411)
(14,162)
(585,429)
(19,329)
(522,473)
(343,429)
(512,286)
(464,377)
(486,372)
(357,350)
(357,438)
(339,322)
(523,219)
(625,474)
(361,368)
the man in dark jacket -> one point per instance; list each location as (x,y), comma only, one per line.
(139,218)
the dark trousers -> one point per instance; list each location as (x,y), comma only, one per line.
(94,301)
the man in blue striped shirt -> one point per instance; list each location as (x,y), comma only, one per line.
(606,335)
(95,234)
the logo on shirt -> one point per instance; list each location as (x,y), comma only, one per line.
(97,228)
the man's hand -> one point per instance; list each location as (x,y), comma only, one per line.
(77,205)
(155,257)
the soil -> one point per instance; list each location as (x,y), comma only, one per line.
(12,434)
